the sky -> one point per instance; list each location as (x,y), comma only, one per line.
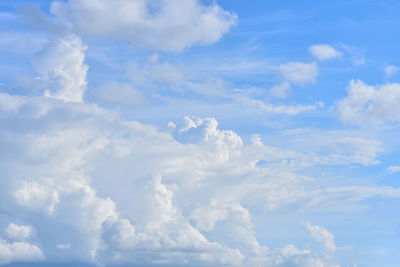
(199,133)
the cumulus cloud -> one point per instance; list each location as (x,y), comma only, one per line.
(18,232)
(299,73)
(62,69)
(369,104)
(19,252)
(169,25)
(107,190)
(324,52)
(37,196)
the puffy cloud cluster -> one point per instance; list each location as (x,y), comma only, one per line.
(169,25)
(92,181)
(369,104)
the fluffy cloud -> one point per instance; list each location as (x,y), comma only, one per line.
(18,232)
(299,73)
(36,196)
(369,104)
(324,52)
(170,25)
(62,69)
(19,252)
(96,192)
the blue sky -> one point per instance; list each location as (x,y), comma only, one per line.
(199,133)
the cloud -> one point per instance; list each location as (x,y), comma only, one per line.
(322,235)
(18,232)
(168,25)
(390,70)
(276,109)
(299,73)
(62,69)
(118,94)
(280,90)
(37,196)
(107,190)
(19,252)
(324,52)
(393,169)
(369,104)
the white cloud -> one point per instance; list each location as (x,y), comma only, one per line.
(324,52)
(225,143)
(101,204)
(18,232)
(299,73)
(19,252)
(390,70)
(62,69)
(393,169)
(322,235)
(36,196)
(170,25)
(369,104)
(280,90)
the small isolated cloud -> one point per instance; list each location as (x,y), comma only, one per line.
(393,169)
(324,52)
(64,246)
(280,90)
(369,104)
(169,25)
(18,232)
(299,73)
(390,70)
